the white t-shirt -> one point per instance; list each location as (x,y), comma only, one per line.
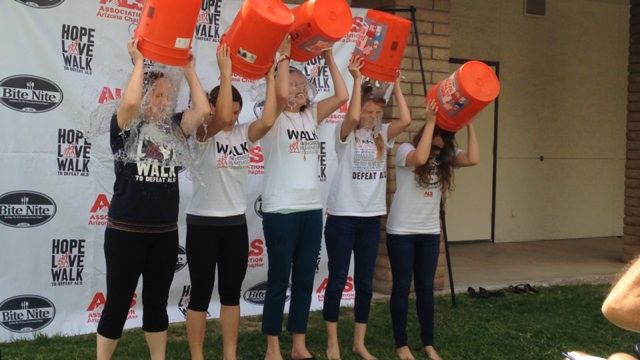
(414,209)
(360,184)
(219,185)
(291,163)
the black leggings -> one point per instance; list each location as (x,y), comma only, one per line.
(228,246)
(129,255)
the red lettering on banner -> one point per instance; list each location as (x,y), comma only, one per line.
(255,154)
(108,95)
(256,248)
(101,203)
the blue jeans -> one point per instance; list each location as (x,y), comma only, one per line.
(293,245)
(344,234)
(417,255)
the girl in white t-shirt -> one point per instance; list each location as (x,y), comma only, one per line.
(424,169)
(356,202)
(292,204)
(216,223)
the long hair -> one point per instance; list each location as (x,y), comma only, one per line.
(443,162)
(235,95)
(369,93)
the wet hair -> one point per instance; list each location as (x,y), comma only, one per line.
(374,95)
(444,161)
(235,95)
(150,78)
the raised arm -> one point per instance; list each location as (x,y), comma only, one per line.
(260,127)
(193,117)
(282,74)
(340,95)
(224,103)
(471,156)
(622,306)
(420,155)
(352,118)
(398,125)
(132,97)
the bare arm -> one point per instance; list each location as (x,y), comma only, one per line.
(193,117)
(420,155)
(224,103)
(282,75)
(470,157)
(622,306)
(340,96)
(398,125)
(132,97)
(261,127)
(352,118)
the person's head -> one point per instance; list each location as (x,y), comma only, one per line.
(159,96)
(372,103)
(236,99)
(298,91)
(441,156)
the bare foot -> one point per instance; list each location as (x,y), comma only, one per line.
(302,353)
(431,353)
(364,353)
(404,353)
(333,353)
(273,355)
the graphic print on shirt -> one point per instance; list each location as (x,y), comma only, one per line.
(302,142)
(434,181)
(151,157)
(232,156)
(365,164)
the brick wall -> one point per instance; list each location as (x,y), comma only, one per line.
(632,173)
(432,17)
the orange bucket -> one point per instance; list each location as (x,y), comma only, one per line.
(165,30)
(381,43)
(317,25)
(464,94)
(255,35)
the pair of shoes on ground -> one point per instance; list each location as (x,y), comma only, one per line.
(522,289)
(483,293)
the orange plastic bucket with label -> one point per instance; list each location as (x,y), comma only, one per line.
(165,30)
(255,35)
(464,94)
(317,25)
(381,42)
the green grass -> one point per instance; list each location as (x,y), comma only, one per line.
(513,327)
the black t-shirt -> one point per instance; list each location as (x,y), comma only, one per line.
(145,190)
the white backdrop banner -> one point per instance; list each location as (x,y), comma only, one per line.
(62,60)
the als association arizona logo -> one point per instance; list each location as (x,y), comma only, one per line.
(67,261)
(208,25)
(97,304)
(99,212)
(256,254)
(78,44)
(348,293)
(24,209)
(256,161)
(121,10)
(26,313)
(73,153)
(41,4)
(28,93)
(109,94)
